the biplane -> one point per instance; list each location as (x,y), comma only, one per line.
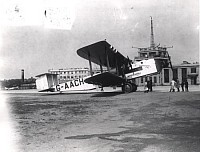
(121,71)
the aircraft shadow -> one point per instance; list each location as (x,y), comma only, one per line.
(52,94)
(94,94)
(106,94)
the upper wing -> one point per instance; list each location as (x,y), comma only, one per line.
(98,53)
(105,79)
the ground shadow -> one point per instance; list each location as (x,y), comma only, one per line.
(106,94)
(68,93)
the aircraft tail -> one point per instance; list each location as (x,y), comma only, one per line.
(49,83)
(46,82)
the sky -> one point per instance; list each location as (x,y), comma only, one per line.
(37,35)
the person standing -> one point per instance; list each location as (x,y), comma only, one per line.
(146,89)
(186,85)
(150,85)
(182,85)
(178,85)
(172,83)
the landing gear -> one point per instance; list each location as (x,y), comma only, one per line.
(134,87)
(129,87)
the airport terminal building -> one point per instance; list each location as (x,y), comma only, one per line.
(185,70)
(69,73)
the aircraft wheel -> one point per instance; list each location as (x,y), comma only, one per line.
(134,87)
(127,88)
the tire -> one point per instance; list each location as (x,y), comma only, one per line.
(127,88)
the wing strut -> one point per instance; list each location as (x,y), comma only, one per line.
(107,60)
(116,64)
(90,63)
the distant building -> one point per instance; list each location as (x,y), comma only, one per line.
(27,86)
(15,84)
(184,71)
(72,73)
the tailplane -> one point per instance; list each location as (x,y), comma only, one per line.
(46,82)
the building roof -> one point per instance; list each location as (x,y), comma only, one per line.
(45,74)
(187,64)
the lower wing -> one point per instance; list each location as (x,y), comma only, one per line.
(105,79)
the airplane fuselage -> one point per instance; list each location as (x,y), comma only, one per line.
(74,85)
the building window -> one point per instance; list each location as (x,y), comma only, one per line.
(193,70)
(64,77)
(155,79)
(166,75)
(184,74)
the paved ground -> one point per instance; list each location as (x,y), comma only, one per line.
(111,122)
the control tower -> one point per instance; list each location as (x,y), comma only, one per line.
(156,52)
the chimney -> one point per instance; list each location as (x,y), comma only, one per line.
(152,44)
(22,75)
